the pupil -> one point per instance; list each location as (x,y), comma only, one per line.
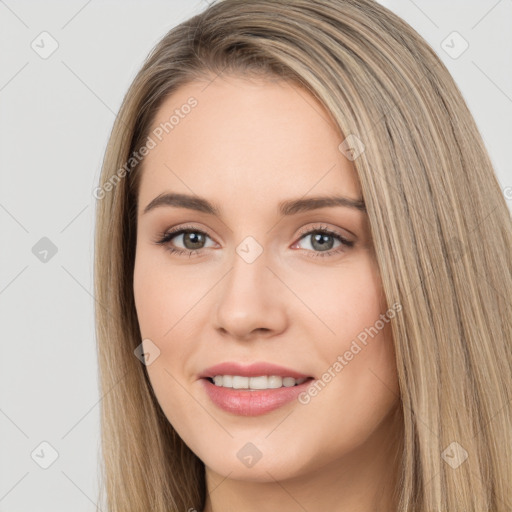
(194,238)
(320,238)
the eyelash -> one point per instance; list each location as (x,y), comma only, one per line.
(166,237)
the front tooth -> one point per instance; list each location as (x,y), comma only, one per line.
(288,382)
(258,382)
(275,382)
(240,382)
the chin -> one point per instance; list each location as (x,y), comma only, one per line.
(261,472)
(265,466)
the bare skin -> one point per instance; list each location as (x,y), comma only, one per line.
(247,146)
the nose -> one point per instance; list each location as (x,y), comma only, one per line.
(251,301)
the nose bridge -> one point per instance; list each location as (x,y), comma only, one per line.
(248,299)
(249,273)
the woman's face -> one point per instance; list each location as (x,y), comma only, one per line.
(260,279)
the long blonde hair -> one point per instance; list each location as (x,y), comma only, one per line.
(441,229)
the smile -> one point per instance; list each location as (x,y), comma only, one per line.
(252,383)
(247,401)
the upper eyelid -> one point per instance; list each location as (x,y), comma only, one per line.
(322,227)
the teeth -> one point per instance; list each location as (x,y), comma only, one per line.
(261,382)
(240,382)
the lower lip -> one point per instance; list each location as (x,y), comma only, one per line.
(252,403)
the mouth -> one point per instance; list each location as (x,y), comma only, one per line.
(254,389)
(237,373)
(256,383)
(241,399)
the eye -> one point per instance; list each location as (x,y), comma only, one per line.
(321,241)
(191,238)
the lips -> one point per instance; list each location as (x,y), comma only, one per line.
(252,402)
(244,402)
(252,370)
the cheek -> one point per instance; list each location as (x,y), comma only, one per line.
(165,303)
(359,384)
(163,296)
(366,343)
(352,398)
(345,300)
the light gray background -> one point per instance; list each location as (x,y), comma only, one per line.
(55,118)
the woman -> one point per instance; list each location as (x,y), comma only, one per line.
(304,272)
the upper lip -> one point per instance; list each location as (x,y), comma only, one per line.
(252,370)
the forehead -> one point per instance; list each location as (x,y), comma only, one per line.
(235,139)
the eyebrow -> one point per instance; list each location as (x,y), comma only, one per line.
(286,208)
